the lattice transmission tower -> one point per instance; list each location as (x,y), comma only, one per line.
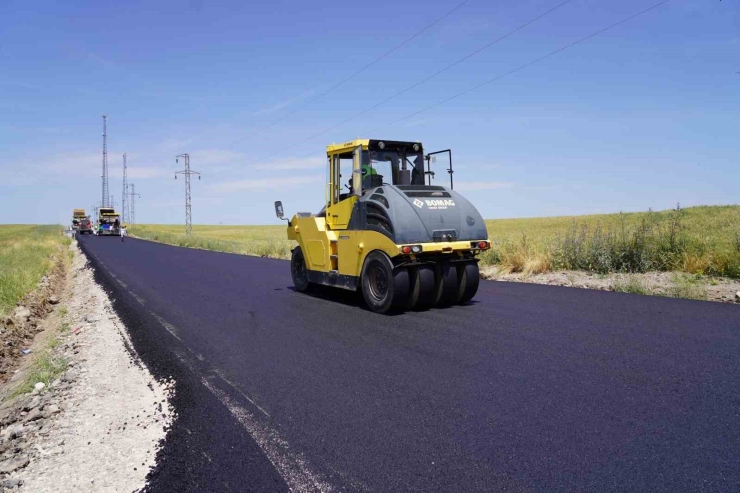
(106,196)
(132,204)
(124,193)
(188,209)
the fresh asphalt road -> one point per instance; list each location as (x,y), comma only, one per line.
(528,388)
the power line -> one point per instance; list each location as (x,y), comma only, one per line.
(499,77)
(358,72)
(522,67)
(426,79)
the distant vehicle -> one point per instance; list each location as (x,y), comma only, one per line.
(404,243)
(109,222)
(78,215)
(86,226)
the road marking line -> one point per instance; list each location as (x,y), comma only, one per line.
(292,466)
(170,328)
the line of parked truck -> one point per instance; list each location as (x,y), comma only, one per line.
(108,222)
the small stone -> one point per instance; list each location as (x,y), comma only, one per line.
(53,299)
(39,386)
(33,415)
(31,403)
(737,297)
(21,313)
(56,382)
(70,376)
(12,482)
(13,464)
(52,409)
(13,431)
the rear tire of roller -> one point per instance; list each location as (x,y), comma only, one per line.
(422,288)
(469,279)
(446,288)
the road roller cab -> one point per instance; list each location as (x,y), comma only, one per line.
(385,229)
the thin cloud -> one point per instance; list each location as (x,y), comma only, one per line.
(293,163)
(145,173)
(273,183)
(177,145)
(283,104)
(215,157)
(482,185)
(102,61)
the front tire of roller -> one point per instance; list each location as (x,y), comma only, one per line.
(469,276)
(446,288)
(298,271)
(383,288)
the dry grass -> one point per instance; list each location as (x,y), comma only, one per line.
(703,240)
(26,254)
(697,240)
(262,241)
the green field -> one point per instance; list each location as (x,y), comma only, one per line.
(26,254)
(699,240)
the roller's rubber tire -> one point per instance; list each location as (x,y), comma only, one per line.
(413,288)
(298,271)
(446,284)
(468,281)
(422,288)
(384,288)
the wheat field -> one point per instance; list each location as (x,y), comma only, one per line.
(698,240)
(26,254)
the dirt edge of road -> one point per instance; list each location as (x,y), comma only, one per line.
(17,331)
(99,423)
(200,451)
(669,284)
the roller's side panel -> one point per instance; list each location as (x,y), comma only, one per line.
(313,238)
(354,246)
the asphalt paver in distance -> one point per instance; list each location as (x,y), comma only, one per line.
(528,388)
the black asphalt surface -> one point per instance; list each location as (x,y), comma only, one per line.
(528,388)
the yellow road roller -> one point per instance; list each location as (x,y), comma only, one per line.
(386,230)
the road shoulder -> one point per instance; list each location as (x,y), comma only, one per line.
(99,425)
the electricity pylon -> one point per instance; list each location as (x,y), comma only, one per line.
(124,194)
(105,162)
(132,204)
(188,209)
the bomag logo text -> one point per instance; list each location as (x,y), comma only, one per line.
(440,204)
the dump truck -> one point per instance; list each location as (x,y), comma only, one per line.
(77,216)
(109,222)
(81,222)
(387,231)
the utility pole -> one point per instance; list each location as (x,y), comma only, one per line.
(132,204)
(187,172)
(124,194)
(105,161)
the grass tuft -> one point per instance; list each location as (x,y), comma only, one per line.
(687,286)
(45,367)
(632,284)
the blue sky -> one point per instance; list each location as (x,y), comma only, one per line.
(644,115)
